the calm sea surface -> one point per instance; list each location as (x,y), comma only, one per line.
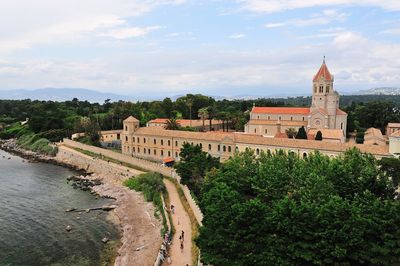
(33,199)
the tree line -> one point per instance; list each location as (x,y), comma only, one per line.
(61,119)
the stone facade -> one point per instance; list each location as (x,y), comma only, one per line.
(324,112)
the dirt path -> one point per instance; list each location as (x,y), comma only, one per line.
(181,222)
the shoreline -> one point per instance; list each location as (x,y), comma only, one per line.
(139,229)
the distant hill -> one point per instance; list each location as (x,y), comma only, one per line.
(61,94)
(379,91)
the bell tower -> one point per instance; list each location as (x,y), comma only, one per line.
(324,96)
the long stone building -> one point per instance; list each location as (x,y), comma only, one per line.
(324,113)
(157,144)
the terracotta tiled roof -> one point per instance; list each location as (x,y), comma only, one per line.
(131,119)
(162,132)
(327,133)
(111,132)
(186,122)
(373,133)
(280,135)
(324,73)
(281,110)
(394,125)
(340,112)
(274,122)
(243,138)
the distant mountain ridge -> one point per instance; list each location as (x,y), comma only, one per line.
(62,94)
(65,94)
(380,91)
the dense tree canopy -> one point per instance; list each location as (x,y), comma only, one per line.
(282,210)
(193,166)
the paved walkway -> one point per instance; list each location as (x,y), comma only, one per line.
(181,222)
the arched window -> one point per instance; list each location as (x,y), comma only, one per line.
(138,140)
(341,125)
(266,131)
(237,149)
(144,150)
(224,148)
(155,152)
(176,143)
(144,140)
(321,88)
(169,154)
(133,149)
(255,130)
(229,149)
(304,155)
(327,88)
(162,153)
(126,138)
(162,142)
(169,143)
(291,118)
(155,141)
(209,147)
(269,117)
(133,139)
(258,151)
(219,147)
(138,150)
(126,128)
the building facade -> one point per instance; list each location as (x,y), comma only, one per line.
(324,112)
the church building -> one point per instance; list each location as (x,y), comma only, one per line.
(324,114)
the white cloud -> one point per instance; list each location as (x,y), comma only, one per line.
(237,36)
(275,25)
(48,22)
(271,6)
(328,16)
(129,32)
(394,31)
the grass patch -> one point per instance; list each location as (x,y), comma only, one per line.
(34,142)
(152,186)
(193,221)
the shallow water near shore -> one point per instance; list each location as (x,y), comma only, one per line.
(33,200)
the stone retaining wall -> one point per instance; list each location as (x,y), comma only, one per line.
(140,163)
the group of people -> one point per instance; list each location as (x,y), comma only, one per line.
(182,238)
(163,250)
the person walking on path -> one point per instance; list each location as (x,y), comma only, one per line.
(183,235)
(182,247)
(172,209)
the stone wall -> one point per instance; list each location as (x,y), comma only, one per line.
(94,165)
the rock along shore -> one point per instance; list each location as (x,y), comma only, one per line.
(140,230)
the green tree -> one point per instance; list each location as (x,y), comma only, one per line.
(291,133)
(203,115)
(301,134)
(318,136)
(172,124)
(193,166)
(279,209)
(391,166)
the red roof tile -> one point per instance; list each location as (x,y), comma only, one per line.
(281,110)
(340,112)
(324,73)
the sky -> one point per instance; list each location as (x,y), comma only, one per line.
(216,47)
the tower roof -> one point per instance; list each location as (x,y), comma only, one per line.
(131,119)
(323,72)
